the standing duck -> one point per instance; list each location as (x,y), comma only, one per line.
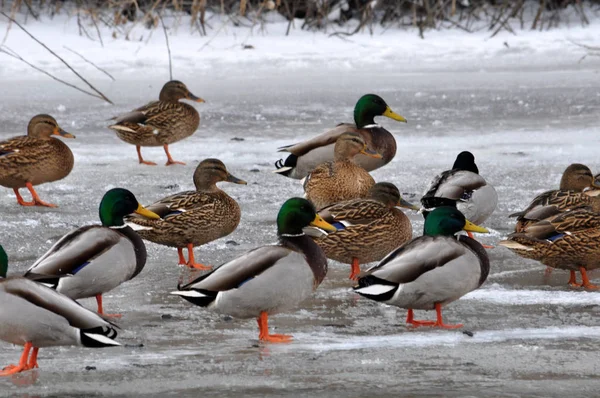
(342,179)
(366,229)
(462,187)
(35,159)
(193,218)
(430,271)
(35,316)
(269,279)
(568,241)
(161,122)
(95,259)
(578,188)
(307,155)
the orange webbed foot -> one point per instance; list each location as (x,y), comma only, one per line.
(199,266)
(276,338)
(172,162)
(488,246)
(13,369)
(44,204)
(112,315)
(416,323)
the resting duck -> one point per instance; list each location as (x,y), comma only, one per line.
(366,229)
(161,122)
(269,279)
(193,218)
(430,271)
(307,155)
(35,316)
(35,159)
(342,179)
(95,259)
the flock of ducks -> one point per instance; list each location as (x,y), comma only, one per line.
(345,216)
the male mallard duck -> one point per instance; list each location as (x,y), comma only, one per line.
(35,158)
(268,279)
(35,316)
(161,122)
(193,218)
(342,179)
(367,229)
(569,241)
(307,155)
(577,189)
(462,187)
(430,271)
(94,259)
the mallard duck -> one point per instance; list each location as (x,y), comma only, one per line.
(430,271)
(268,279)
(193,218)
(161,122)
(307,155)
(95,259)
(35,159)
(341,179)
(367,229)
(577,189)
(35,316)
(568,241)
(462,187)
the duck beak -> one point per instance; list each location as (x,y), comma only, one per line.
(469,226)
(235,180)
(408,205)
(62,133)
(320,223)
(368,152)
(393,115)
(142,211)
(194,98)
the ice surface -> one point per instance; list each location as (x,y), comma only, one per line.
(525,120)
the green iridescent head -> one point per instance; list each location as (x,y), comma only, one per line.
(371,105)
(117,203)
(297,213)
(447,221)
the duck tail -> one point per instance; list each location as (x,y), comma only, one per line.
(286,167)
(102,336)
(375,288)
(199,297)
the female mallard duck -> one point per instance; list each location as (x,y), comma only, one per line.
(35,316)
(95,259)
(569,241)
(307,155)
(342,179)
(268,279)
(430,271)
(367,229)
(161,122)
(577,189)
(35,159)
(193,218)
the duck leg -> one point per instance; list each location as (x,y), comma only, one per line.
(36,199)
(413,322)
(573,279)
(32,363)
(355,270)
(20,199)
(101,309)
(141,159)
(439,323)
(263,331)
(192,262)
(181,256)
(585,282)
(12,369)
(170,160)
(470,234)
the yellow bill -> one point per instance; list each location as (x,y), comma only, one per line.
(62,133)
(469,226)
(393,115)
(320,223)
(142,211)
(194,98)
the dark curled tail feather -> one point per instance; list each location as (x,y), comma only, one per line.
(370,280)
(93,337)
(290,161)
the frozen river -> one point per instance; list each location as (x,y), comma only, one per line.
(529,337)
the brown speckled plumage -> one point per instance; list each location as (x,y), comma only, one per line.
(342,179)
(193,217)
(36,158)
(373,227)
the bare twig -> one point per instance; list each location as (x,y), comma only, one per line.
(57,56)
(168,47)
(91,63)
(13,54)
